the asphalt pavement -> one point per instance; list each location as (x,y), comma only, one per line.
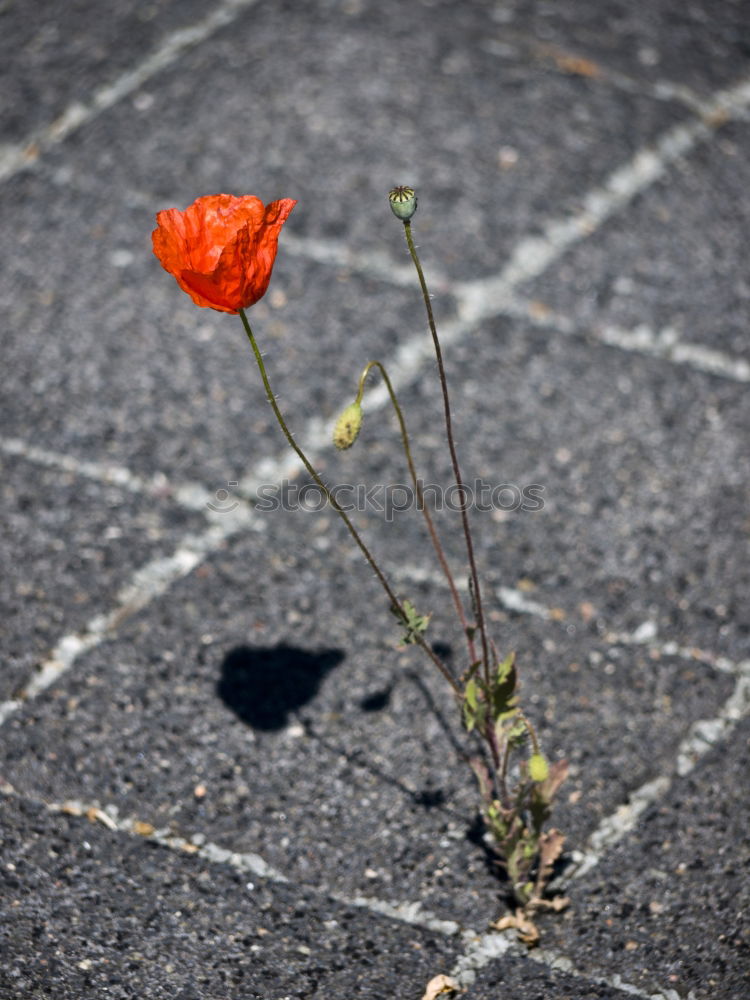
(221,777)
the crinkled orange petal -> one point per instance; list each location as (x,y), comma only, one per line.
(222,248)
(262,252)
(224,287)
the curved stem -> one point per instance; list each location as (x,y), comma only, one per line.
(454,457)
(396,604)
(439,552)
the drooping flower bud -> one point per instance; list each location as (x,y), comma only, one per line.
(347,427)
(538,767)
(403,202)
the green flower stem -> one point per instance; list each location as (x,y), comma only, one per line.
(439,552)
(454,457)
(396,604)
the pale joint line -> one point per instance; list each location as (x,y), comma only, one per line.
(483,949)
(519,602)
(574,63)
(16,158)
(191,496)
(412,913)
(642,339)
(703,735)
(149,582)
(370,263)
(479,949)
(485,297)
(477,301)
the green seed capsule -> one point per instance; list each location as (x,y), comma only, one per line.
(347,427)
(403,202)
(538,767)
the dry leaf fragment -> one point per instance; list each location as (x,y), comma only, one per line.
(557,904)
(526,929)
(577,66)
(550,849)
(440,986)
(524,926)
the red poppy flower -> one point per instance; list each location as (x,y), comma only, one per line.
(221,249)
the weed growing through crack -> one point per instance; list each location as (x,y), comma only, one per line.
(221,251)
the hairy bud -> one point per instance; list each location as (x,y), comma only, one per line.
(538,767)
(347,427)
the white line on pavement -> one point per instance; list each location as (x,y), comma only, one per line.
(483,949)
(19,157)
(485,297)
(478,300)
(191,496)
(702,736)
(642,339)
(146,584)
(479,949)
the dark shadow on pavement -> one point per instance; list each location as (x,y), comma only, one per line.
(263,685)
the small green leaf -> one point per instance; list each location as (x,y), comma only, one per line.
(470,671)
(504,687)
(504,668)
(413,624)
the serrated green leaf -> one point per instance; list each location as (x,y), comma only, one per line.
(470,671)
(504,668)
(413,623)
(503,698)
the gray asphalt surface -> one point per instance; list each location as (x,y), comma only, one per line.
(220,776)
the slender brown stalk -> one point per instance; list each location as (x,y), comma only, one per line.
(436,544)
(395,602)
(453,454)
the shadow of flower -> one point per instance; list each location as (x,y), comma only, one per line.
(263,685)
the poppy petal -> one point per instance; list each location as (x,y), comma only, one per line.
(222,248)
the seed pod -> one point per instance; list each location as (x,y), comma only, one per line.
(403,202)
(347,427)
